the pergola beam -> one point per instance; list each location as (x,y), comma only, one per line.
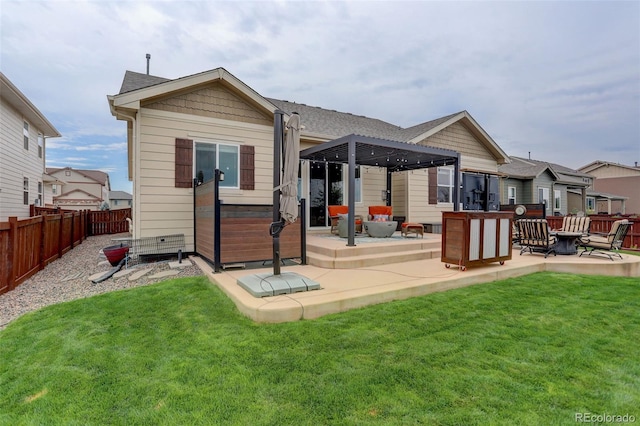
(395,156)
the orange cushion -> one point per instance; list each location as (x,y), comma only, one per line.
(374,210)
(336,210)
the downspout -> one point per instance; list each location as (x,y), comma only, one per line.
(136,190)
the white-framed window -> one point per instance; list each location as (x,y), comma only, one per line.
(557,199)
(54,189)
(25,134)
(591,203)
(445,184)
(39,202)
(511,194)
(214,155)
(40,144)
(543,197)
(25,188)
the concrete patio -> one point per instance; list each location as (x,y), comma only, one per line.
(343,289)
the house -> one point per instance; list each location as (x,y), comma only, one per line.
(561,189)
(23,135)
(119,200)
(182,129)
(82,189)
(614,178)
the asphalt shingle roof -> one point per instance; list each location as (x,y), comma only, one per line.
(135,80)
(97,175)
(529,169)
(120,195)
(317,120)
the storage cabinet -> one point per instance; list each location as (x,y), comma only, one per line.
(476,238)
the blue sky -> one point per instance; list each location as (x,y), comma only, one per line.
(559,80)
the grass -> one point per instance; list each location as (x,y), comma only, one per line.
(530,350)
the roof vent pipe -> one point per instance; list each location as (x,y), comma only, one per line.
(148,59)
(529,151)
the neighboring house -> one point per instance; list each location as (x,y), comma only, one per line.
(183,129)
(527,181)
(614,178)
(82,189)
(120,200)
(23,133)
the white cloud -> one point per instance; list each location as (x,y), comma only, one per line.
(554,78)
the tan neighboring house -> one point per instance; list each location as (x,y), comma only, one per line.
(614,178)
(120,200)
(82,189)
(23,134)
(184,128)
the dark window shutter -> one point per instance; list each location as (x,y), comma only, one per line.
(247,167)
(433,185)
(184,163)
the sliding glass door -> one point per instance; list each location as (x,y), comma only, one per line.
(326,188)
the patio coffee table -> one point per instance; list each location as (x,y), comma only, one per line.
(412,228)
(380,229)
(566,242)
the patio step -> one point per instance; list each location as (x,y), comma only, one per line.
(366,255)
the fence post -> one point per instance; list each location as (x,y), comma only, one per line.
(73,228)
(85,224)
(60,234)
(11,257)
(43,235)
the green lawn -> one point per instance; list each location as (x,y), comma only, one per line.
(531,350)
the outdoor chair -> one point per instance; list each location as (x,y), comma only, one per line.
(607,245)
(575,224)
(338,212)
(534,236)
(380,213)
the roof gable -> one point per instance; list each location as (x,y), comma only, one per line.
(600,164)
(463,117)
(213,100)
(150,88)
(77,194)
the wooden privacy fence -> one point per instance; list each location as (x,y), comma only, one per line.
(601,224)
(28,245)
(109,221)
(99,222)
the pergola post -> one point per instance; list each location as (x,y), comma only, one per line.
(456,183)
(388,200)
(351,228)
